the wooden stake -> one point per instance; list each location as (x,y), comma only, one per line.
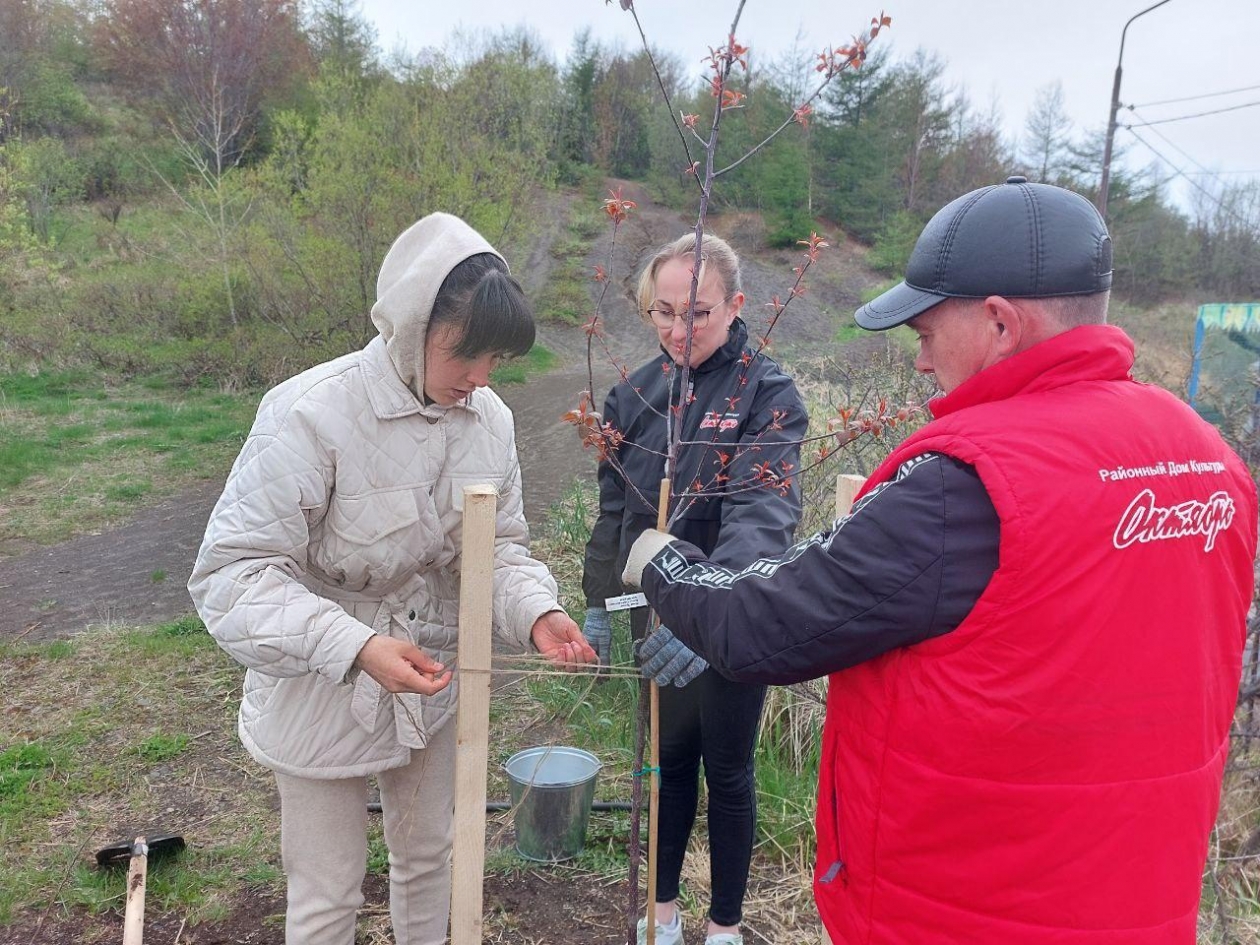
(641,710)
(847,486)
(473,723)
(662,522)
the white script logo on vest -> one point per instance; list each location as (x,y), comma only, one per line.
(1145,521)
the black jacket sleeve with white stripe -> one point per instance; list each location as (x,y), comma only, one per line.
(907,564)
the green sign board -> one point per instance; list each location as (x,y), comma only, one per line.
(1220,316)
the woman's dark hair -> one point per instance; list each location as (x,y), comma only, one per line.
(488,306)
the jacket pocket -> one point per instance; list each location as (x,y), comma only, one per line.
(366,519)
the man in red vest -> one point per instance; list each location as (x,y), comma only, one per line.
(1033,618)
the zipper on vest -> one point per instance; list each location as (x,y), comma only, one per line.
(837,867)
(834,870)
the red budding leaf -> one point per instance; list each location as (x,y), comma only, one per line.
(617,206)
(816,245)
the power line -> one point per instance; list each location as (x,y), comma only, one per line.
(1254,170)
(1174,146)
(1215,111)
(1178,172)
(1189,157)
(1194,98)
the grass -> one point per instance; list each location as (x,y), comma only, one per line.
(846,329)
(566,295)
(162,747)
(110,733)
(79,452)
(1165,339)
(537,360)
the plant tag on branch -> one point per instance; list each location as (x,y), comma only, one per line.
(625,602)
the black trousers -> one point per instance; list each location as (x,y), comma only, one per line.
(711,721)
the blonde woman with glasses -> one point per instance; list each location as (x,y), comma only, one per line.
(740,411)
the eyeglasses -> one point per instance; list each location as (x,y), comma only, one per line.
(665,317)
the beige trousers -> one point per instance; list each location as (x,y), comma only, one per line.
(323,845)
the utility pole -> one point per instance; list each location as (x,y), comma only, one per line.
(1104,183)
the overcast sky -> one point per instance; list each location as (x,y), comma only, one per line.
(999,51)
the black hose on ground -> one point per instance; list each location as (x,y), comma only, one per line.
(374,807)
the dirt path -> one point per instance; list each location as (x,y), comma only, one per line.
(137,573)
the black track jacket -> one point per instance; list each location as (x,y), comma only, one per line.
(908,563)
(745,412)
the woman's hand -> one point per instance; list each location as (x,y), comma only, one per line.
(560,640)
(400,666)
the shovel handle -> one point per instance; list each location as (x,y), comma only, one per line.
(137,874)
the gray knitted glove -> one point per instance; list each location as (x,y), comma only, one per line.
(597,628)
(664,659)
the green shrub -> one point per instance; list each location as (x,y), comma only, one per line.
(789,225)
(894,242)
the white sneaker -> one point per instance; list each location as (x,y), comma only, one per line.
(665,934)
(725,938)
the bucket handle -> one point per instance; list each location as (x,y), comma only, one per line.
(599,765)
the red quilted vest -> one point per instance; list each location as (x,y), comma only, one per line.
(1050,770)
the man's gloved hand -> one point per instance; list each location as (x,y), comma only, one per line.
(597,628)
(664,659)
(644,549)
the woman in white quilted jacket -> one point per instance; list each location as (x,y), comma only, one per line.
(330,570)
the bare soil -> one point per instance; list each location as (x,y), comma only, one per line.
(521,908)
(538,907)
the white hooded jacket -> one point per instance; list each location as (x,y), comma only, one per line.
(341,518)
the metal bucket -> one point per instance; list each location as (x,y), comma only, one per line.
(552,789)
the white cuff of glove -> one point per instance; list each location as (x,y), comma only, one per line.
(645,548)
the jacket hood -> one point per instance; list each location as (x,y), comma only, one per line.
(413,271)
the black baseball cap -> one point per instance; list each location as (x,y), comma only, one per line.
(1016,239)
